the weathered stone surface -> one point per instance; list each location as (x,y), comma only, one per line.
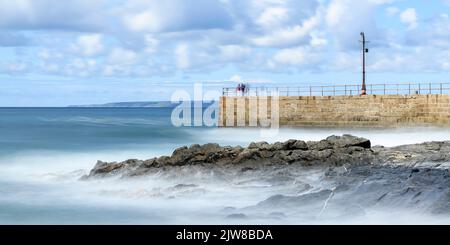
(347,141)
(369,110)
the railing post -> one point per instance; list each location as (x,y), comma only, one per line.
(409,88)
(334,90)
(429,87)
(397,88)
(322,90)
(345,90)
(440,88)
(384,88)
(310,90)
(419,89)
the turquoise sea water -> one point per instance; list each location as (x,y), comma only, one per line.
(86,129)
(44,152)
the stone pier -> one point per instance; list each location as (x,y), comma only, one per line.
(368,110)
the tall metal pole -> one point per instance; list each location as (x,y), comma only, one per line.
(364,50)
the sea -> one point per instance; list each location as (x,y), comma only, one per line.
(45,151)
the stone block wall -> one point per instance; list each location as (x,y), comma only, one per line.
(368,110)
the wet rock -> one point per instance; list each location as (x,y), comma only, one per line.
(237,216)
(260,146)
(229,209)
(103,168)
(184,186)
(282,201)
(277,215)
(332,151)
(347,141)
(319,145)
(300,145)
(288,145)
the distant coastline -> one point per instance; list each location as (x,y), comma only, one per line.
(138,104)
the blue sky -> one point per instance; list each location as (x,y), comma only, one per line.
(57,53)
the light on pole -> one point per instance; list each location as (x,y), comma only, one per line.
(364,50)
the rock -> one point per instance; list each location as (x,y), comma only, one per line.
(319,145)
(288,145)
(295,201)
(277,215)
(277,146)
(333,151)
(102,168)
(259,145)
(300,145)
(347,141)
(237,216)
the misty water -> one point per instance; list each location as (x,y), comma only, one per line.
(44,152)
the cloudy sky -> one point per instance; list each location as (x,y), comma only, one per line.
(56,53)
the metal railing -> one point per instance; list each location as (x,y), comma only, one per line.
(343,90)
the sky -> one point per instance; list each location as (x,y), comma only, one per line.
(58,53)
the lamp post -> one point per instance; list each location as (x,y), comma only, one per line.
(365,50)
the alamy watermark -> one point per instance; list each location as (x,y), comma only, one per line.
(241,110)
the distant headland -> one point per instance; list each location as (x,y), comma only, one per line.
(138,104)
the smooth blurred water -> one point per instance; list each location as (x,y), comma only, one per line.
(85,129)
(44,151)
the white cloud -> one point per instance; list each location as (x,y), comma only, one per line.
(14,67)
(144,21)
(345,19)
(89,45)
(436,33)
(233,52)
(409,17)
(121,56)
(80,67)
(250,81)
(391,11)
(345,61)
(272,17)
(152,44)
(236,78)
(175,15)
(147,37)
(318,40)
(182,56)
(50,15)
(296,56)
(289,35)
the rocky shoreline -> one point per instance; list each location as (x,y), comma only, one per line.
(334,151)
(338,177)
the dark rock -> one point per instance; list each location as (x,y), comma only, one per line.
(347,141)
(332,151)
(319,145)
(260,145)
(277,215)
(300,145)
(102,168)
(237,216)
(295,201)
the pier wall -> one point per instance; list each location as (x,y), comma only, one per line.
(368,110)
